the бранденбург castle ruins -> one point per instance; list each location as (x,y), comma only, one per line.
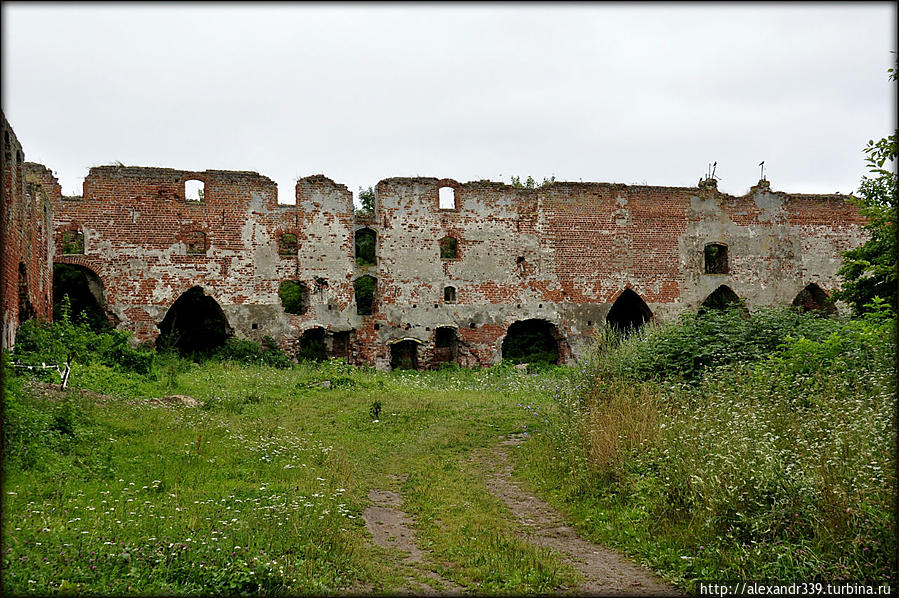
(444,271)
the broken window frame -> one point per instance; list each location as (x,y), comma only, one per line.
(445,246)
(363,261)
(372,306)
(715,259)
(72,242)
(449,294)
(446,194)
(201,191)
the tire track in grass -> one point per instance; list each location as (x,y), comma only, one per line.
(390,527)
(605,571)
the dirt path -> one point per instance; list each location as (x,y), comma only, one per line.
(606,572)
(390,527)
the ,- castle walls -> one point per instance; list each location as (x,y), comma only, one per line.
(27,227)
(455,264)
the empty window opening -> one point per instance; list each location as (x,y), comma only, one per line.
(195,325)
(447,198)
(449,294)
(26,311)
(366,239)
(721,298)
(195,241)
(531,341)
(519,259)
(472,326)
(446,345)
(255,326)
(628,313)
(312,345)
(404,355)
(294,297)
(814,298)
(365,295)
(377,326)
(449,248)
(72,242)
(87,302)
(287,245)
(194,190)
(716,259)
(340,344)
(589,322)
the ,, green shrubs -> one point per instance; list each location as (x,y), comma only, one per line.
(737,448)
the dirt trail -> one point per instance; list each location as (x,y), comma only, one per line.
(606,572)
(392,528)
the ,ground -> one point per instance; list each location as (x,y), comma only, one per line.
(223,479)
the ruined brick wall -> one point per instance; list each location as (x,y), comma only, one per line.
(563,253)
(27,227)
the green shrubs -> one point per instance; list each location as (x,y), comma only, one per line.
(248,352)
(737,448)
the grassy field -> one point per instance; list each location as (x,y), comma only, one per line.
(724,447)
(261,489)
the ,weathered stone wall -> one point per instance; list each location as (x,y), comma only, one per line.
(563,254)
(27,275)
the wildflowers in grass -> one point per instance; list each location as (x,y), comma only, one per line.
(774,460)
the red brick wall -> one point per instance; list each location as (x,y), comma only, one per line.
(26,232)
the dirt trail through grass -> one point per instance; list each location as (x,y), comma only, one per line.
(390,527)
(605,571)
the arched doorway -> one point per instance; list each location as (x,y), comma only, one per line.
(404,355)
(87,300)
(814,298)
(531,341)
(720,299)
(194,324)
(628,313)
(446,345)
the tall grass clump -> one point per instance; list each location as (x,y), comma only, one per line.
(729,446)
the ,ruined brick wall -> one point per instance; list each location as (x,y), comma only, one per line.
(562,254)
(26,219)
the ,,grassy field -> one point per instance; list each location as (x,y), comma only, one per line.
(261,489)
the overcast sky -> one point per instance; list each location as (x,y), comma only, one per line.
(625,93)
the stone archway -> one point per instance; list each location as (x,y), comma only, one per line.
(628,313)
(814,298)
(404,355)
(534,340)
(86,293)
(194,324)
(722,298)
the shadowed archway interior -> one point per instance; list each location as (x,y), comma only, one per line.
(194,324)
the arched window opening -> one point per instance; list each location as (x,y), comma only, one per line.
(628,313)
(26,311)
(814,298)
(449,248)
(84,289)
(447,198)
(716,259)
(287,245)
(195,325)
(720,299)
(365,295)
(294,297)
(365,241)
(404,355)
(446,344)
(195,241)
(72,242)
(312,345)
(449,294)
(531,341)
(194,190)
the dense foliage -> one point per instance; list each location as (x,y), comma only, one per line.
(727,447)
